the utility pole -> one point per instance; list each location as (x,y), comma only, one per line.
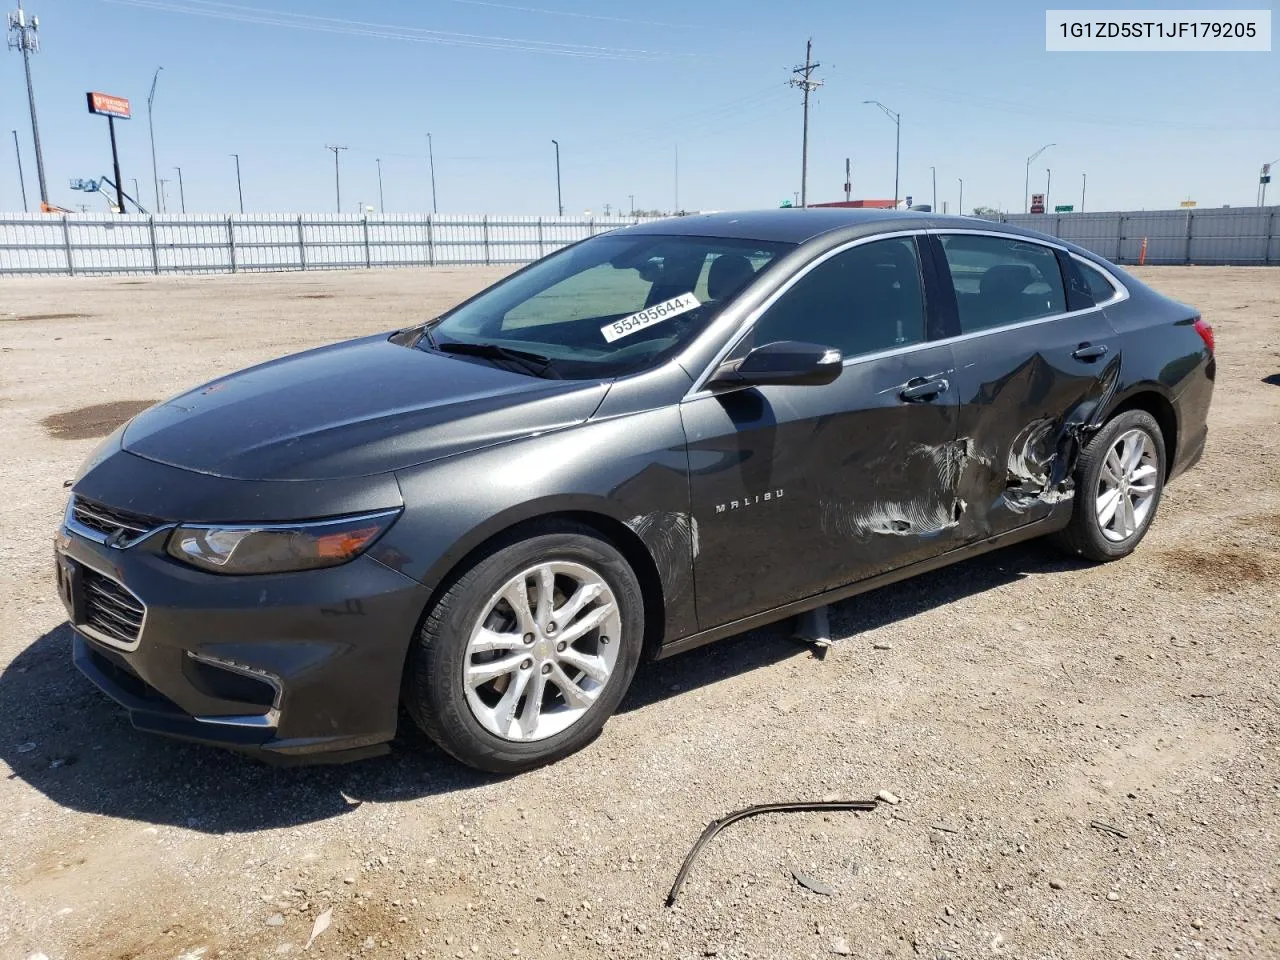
(933,172)
(607,208)
(431,159)
(960,205)
(1084,183)
(804,80)
(559,196)
(1026,186)
(24,36)
(164,196)
(632,198)
(155,176)
(676,208)
(182,194)
(1263,179)
(239,188)
(337,175)
(382,207)
(848,180)
(1048,181)
(897,144)
(21,179)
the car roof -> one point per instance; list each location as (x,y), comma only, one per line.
(797,225)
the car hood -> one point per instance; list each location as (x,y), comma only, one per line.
(352,409)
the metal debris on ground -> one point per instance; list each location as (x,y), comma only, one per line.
(1107,828)
(809,883)
(715,826)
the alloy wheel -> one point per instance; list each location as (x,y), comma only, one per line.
(542,651)
(1127,486)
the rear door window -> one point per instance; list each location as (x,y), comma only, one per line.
(1099,286)
(1002,280)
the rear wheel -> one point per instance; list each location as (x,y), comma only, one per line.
(528,652)
(1119,481)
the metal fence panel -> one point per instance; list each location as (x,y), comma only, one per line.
(1241,236)
(102,243)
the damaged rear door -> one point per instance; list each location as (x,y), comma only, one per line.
(798,489)
(1035,361)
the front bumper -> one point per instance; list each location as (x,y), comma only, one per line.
(290,666)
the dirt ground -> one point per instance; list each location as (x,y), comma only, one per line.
(1011,702)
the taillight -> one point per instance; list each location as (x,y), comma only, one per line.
(1205,329)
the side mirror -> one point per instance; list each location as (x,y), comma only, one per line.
(782,362)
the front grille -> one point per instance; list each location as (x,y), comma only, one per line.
(122,525)
(110,609)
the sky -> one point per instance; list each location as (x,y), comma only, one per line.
(623,87)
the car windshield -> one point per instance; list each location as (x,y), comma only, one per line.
(614,304)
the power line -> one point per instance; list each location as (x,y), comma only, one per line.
(243,14)
(580,16)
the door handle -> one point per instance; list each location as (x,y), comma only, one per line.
(1089,352)
(918,390)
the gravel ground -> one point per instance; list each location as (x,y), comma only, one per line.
(1010,702)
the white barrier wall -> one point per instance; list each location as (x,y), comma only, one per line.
(103,243)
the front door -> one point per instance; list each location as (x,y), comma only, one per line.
(797,489)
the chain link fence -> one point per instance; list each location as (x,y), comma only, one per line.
(75,244)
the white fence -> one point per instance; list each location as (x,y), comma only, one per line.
(102,243)
(1241,236)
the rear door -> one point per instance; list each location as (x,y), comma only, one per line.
(797,489)
(1034,359)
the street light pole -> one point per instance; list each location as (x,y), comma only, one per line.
(933,172)
(960,205)
(337,175)
(1026,185)
(559,200)
(182,194)
(21,179)
(897,144)
(431,160)
(239,188)
(382,207)
(1048,182)
(155,175)
(1265,175)
(1084,183)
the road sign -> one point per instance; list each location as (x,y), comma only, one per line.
(1037,203)
(1064,208)
(109,106)
(785,203)
(1187,203)
(908,202)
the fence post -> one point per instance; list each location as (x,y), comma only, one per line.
(1120,238)
(1271,236)
(591,227)
(541,248)
(155,256)
(67,246)
(302,244)
(431,243)
(484,226)
(1187,257)
(231,243)
(368,262)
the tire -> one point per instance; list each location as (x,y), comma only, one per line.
(1087,535)
(474,629)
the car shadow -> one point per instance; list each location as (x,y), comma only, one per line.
(1273,379)
(73,744)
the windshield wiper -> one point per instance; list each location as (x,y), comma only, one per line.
(535,363)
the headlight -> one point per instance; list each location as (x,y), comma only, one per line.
(278,548)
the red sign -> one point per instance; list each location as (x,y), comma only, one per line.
(1037,203)
(109,106)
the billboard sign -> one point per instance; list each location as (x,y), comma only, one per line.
(1037,203)
(108,106)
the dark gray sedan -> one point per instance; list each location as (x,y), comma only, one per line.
(646,441)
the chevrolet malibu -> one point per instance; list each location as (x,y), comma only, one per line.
(646,441)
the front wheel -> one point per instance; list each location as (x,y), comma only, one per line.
(1119,480)
(529,652)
